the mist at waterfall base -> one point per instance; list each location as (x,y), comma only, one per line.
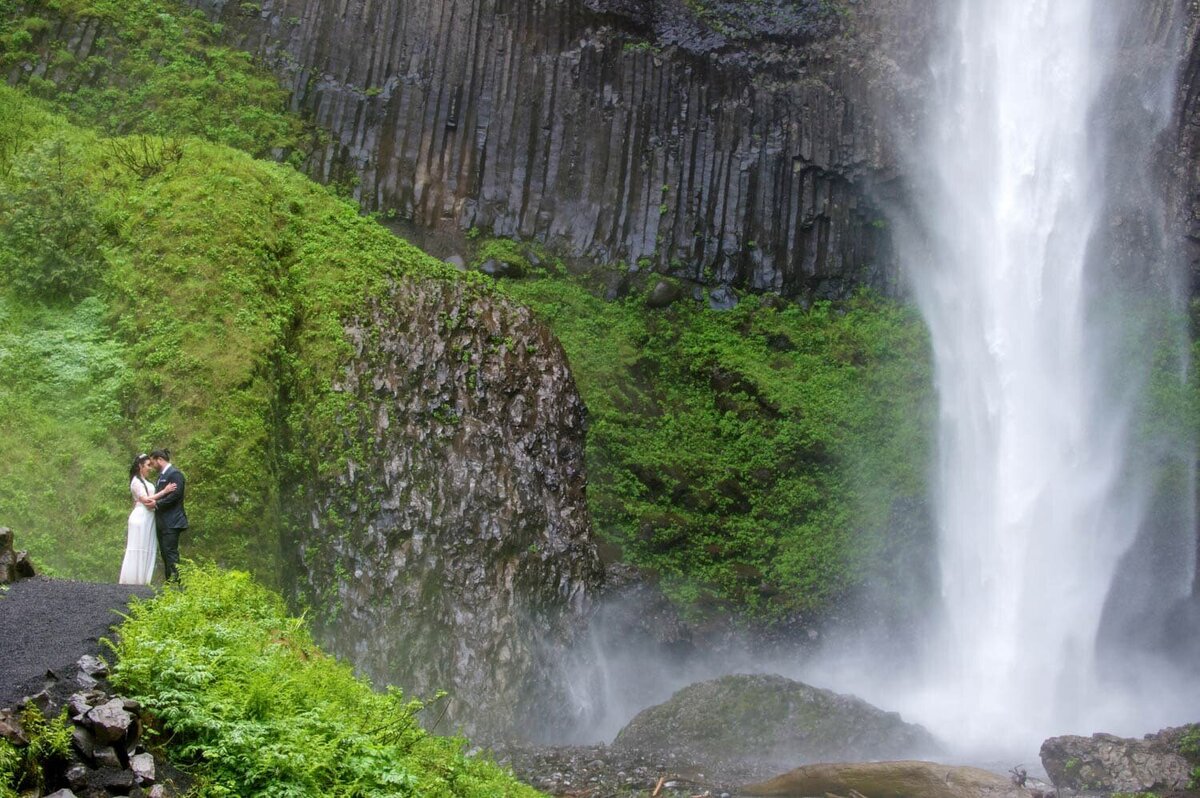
(1035,238)
(1037,249)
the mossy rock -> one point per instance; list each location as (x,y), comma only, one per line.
(889,780)
(766,722)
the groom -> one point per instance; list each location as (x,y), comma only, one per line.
(169,518)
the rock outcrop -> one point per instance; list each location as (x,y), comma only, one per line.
(14,564)
(1105,763)
(107,755)
(734,147)
(763,723)
(889,780)
(455,551)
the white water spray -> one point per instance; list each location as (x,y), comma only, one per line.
(1033,500)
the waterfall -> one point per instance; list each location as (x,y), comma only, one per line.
(1038,495)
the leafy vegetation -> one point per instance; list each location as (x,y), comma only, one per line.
(252,707)
(793,21)
(1189,746)
(147,66)
(211,323)
(23,767)
(751,458)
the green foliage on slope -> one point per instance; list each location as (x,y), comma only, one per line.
(751,457)
(252,707)
(146,66)
(208,320)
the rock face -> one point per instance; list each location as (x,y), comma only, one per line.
(1106,763)
(14,564)
(890,780)
(765,723)
(455,551)
(734,151)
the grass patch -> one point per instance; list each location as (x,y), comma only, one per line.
(252,707)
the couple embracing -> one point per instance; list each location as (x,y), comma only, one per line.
(157,519)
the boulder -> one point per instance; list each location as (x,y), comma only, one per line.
(76,776)
(1107,763)
(93,666)
(24,566)
(663,294)
(84,743)
(109,722)
(14,565)
(722,298)
(889,780)
(763,723)
(142,766)
(501,268)
(457,552)
(11,729)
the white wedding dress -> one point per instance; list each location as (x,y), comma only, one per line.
(141,546)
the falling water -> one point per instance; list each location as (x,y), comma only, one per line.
(1035,495)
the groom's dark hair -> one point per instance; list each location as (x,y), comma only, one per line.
(163,453)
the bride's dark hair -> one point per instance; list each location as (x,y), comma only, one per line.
(135,470)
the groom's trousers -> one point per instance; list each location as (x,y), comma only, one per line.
(168,544)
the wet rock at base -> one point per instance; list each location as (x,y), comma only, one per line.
(757,724)
(907,779)
(1107,763)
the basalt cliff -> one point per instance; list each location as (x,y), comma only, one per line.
(718,144)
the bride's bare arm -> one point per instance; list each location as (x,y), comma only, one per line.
(170,487)
(151,500)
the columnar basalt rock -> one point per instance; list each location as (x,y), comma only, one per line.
(614,130)
(455,551)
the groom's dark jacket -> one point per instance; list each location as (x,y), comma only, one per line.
(169,513)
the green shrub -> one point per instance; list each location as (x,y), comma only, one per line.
(252,707)
(50,232)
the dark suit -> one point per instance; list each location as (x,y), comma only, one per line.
(170,520)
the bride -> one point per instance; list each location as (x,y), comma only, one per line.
(141,547)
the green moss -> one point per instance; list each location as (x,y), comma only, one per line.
(503,250)
(750,457)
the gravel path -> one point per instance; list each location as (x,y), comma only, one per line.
(48,624)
